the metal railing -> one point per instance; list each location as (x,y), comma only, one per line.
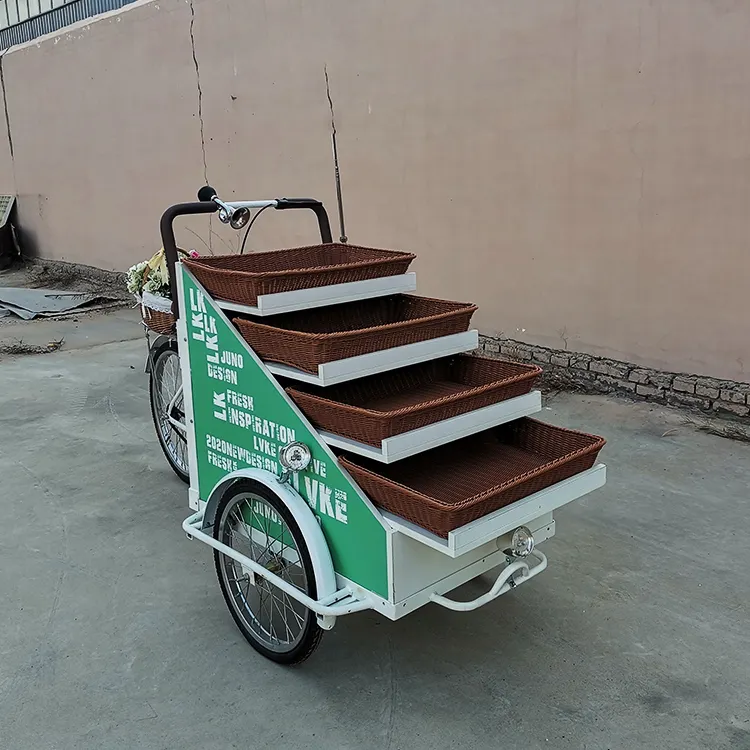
(16,11)
(24,20)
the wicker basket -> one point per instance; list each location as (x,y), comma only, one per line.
(242,278)
(158,321)
(308,338)
(156,311)
(379,406)
(450,486)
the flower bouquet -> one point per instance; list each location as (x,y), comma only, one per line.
(148,281)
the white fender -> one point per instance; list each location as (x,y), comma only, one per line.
(325,576)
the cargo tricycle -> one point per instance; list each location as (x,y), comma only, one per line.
(345,448)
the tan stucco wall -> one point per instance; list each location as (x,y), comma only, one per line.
(579,168)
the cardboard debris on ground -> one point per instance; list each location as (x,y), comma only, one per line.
(30,303)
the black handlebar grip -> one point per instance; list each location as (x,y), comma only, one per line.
(283,204)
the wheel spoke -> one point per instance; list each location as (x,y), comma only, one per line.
(290,607)
(267,607)
(274,600)
(241,521)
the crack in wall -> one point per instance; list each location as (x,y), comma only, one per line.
(5,107)
(330,101)
(200,91)
(200,117)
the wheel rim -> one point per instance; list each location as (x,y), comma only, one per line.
(170,407)
(250,525)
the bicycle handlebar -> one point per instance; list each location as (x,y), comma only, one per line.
(206,205)
(169,243)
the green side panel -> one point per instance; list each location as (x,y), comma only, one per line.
(242,418)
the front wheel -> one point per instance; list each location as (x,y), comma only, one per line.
(252,520)
(168,407)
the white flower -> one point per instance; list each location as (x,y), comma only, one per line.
(135,277)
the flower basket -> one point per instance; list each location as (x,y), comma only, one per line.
(156,312)
(148,281)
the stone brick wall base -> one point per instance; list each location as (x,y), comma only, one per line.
(582,372)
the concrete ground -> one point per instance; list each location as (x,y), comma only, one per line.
(78,329)
(115,634)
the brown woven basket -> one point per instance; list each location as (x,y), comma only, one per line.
(242,278)
(379,406)
(450,486)
(308,338)
(158,321)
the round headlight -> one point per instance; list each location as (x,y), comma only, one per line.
(522,542)
(295,457)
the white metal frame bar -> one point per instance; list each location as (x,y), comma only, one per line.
(179,426)
(322,296)
(439,433)
(351,368)
(342,602)
(187,388)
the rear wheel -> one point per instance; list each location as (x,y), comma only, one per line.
(253,521)
(168,407)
